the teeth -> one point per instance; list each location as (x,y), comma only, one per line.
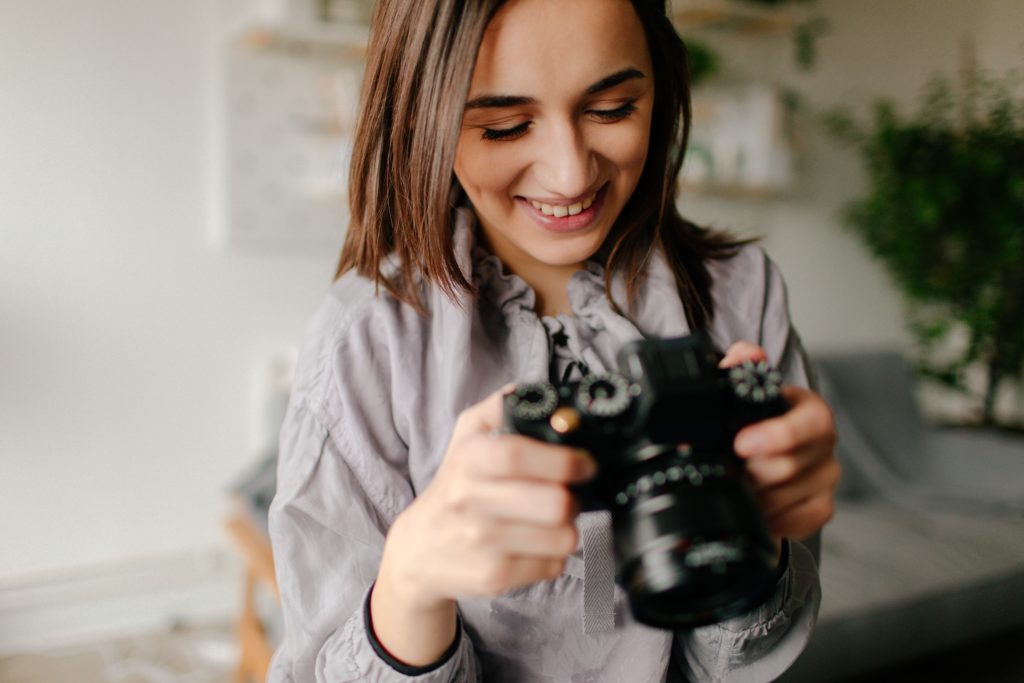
(560,210)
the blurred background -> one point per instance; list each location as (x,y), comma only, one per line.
(172,205)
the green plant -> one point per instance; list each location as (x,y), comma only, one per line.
(945,214)
(704,62)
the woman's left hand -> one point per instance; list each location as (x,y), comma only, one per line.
(790,458)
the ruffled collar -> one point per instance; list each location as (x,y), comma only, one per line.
(504,291)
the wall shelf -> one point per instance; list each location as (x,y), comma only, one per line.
(733,15)
(343,41)
(291,81)
(740,143)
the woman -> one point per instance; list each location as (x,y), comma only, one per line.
(514,220)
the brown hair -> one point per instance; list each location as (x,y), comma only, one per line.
(401,182)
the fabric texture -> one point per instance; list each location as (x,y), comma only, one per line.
(377,391)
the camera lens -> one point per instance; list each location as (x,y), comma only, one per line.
(690,541)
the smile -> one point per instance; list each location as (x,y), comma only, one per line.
(581,214)
(563,210)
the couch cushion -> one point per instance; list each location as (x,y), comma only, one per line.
(899,582)
(887,449)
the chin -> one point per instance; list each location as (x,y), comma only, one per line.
(569,254)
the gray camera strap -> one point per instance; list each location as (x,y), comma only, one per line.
(598,572)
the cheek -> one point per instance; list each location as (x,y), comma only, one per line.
(624,147)
(483,172)
(631,147)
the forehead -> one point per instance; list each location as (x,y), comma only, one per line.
(534,47)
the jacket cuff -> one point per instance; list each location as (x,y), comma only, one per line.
(397,665)
(762,644)
(773,607)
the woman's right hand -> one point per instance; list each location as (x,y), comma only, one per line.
(498,515)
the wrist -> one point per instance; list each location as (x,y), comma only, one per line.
(404,591)
(418,652)
(402,581)
(411,626)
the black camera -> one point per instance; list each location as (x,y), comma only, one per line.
(691,544)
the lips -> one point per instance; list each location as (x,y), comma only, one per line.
(564,218)
(563,210)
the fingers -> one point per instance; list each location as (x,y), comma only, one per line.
(521,540)
(791,464)
(808,420)
(741,352)
(522,501)
(822,477)
(519,457)
(775,470)
(498,513)
(803,518)
(512,456)
(530,541)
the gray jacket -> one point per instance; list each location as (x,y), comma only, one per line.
(376,395)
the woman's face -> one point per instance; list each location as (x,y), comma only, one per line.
(555,131)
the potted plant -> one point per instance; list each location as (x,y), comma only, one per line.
(944,212)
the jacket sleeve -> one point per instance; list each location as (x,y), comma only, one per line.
(760,646)
(341,483)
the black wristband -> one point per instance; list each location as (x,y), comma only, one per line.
(401,667)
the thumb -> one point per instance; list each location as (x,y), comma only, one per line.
(742,351)
(483,417)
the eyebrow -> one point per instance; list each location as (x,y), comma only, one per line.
(499,101)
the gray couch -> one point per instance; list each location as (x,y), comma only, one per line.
(926,550)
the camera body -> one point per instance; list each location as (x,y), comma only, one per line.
(691,544)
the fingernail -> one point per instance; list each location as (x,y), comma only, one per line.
(588,466)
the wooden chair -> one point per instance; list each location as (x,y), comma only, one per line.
(254,547)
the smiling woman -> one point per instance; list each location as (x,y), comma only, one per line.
(528,161)
(492,74)
(514,220)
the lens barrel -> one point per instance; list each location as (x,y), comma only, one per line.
(690,542)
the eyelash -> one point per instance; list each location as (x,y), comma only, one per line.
(607,115)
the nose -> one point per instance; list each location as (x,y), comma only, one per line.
(567,165)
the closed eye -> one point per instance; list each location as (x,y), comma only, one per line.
(506,133)
(605,115)
(616,114)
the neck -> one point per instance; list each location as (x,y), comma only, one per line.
(550,284)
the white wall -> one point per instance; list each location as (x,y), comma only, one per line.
(129,349)
(1001,22)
